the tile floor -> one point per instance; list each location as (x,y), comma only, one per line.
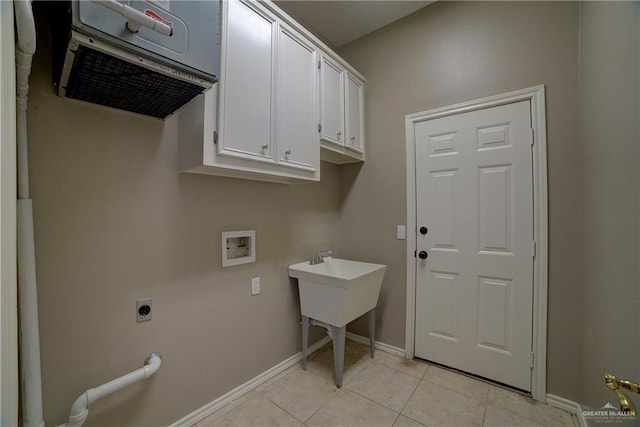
(384,391)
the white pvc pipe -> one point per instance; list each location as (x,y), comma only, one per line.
(31,390)
(26,28)
(135,18)
(31,379)
(23,69)
(80,408)
(25,48)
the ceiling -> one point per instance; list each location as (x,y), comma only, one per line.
(339,22)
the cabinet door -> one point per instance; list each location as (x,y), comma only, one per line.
(354,104)
(246,84)
(297,101)
(331,101)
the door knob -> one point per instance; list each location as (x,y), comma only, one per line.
(423,230)
(423,255)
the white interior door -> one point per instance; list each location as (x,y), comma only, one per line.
(474,198)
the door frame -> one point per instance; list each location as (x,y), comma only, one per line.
(536,95)
(8,251)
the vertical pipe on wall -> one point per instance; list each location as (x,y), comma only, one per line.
(31,381)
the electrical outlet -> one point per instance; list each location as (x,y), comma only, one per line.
(143,309)
(255,286)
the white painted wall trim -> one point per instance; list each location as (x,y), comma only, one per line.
(536,95)
(8,256)
(567,405)
(210,408)
(396,351)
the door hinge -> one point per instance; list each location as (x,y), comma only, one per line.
(534,248)
(319,127)
(533,358)
(215,136)
(532,136)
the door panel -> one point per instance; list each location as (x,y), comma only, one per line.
(297,112)
(443,226)
(246,83)
(354,109)
(331,101)
(494,197)
(494,313)
(474,194)
(444,297)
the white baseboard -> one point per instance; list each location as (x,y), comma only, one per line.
(396,351)
(567,405)
(210,408)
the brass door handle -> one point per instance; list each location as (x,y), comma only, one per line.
(615,384)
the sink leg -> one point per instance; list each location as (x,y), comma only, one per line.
(305,340)
(372,330)
(339,336)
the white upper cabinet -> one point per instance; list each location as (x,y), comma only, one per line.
(261,120)
(341,113)
(297,101)
(247,82)
(354,113)
(331,101)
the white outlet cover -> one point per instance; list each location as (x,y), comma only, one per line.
(255,286)
(401,232)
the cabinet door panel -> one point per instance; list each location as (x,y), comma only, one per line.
(332,102)
(246,84)
(354,107)
(297,116)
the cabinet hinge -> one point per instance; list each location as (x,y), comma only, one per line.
(319,127)
(318,65)
(215,136)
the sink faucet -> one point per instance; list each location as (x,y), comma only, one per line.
(319,257)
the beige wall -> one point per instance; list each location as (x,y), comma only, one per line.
(609,85)
(452,52)
(115,222)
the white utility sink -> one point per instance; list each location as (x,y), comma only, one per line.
(337,291)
